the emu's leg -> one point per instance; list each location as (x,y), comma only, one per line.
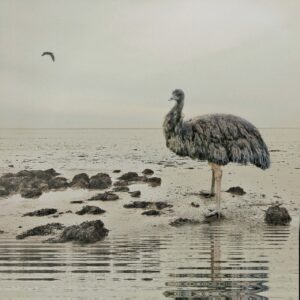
(212,189)
(218,178)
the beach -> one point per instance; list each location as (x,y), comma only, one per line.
(143,257)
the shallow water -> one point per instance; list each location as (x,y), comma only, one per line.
(217,261)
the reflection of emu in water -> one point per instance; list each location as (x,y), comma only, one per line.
(217,138)
(229,276)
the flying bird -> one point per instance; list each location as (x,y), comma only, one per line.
(50,54)
(216,138)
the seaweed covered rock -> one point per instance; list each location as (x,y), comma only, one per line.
(42,230)
(146,204)
(130,176)
(121,189)
(154,181)
(33,193)
(81,180)
(41,212)
(148,172)
(86,232)
(100,181)
(135,194)
(58,183)
(184,221)
(107,196)
(236,190)
(151,212)
(276,215)
(89,209)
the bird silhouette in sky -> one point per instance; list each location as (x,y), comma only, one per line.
(50,54)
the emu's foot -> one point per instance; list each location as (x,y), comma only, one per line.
(205,194)
(213,216)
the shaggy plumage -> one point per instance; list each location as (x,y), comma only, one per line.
(216,138)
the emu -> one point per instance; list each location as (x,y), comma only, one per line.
(216,138)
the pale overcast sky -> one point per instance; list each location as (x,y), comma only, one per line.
(118,61)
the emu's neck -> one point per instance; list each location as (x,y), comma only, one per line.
(174,117)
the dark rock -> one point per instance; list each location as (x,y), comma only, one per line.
(184,221)
(86,232)
(48,229)
(121,189)
(34,193)
(1,231)
(213,216)
(92,210)
(135,194)
(76,202)
(58,183)
(81,180)
(51,172)
(148,172)
(3,192)
(236,190)
(107,196)
(146,204)
(68,211)
(10,166)
(116,171)
(100,181)
(151,212)
(130,176)
(205,194)
(154,181)
(121,183)
(194,204)
(138,204)
(41,212)
(276,215)
(161,205)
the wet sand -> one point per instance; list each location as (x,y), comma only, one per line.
(144,257)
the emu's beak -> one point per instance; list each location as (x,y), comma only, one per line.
(171,99)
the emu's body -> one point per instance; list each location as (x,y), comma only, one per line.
(216,138)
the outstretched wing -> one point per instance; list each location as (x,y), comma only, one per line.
(50,54)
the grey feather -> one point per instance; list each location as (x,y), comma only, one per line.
(216,138)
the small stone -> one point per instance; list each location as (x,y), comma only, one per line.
(148,172)
(116,171)
(154,181)
(86,232)
(100,181)
(236,190)
(80,180)
(48,229)
(184,221)
(107,196)
(161,205)
(151,212)
(34,193)
(58,183)
(10,166)
(41,212)
(130,176)
(135,194)
(121,189)
(276,215)
(92,210)
(76,202)
(194,204)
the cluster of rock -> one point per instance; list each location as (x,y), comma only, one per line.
(86,232)
(155,207)
(32,183)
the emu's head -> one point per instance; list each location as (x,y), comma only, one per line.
(177,95)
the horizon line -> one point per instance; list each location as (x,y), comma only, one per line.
(124,128)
